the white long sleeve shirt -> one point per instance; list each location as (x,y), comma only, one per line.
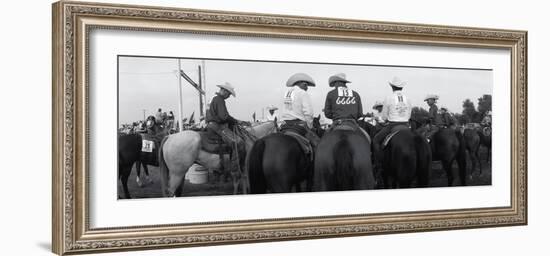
(270,117)
(397,108)
(297,105)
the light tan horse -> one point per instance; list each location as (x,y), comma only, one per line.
(180,151)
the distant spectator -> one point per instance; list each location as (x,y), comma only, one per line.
(170,120)
(158,116)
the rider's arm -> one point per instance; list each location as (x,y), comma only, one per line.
(328,106)
(221,111)
(432,113)
(359,105)
(307,108)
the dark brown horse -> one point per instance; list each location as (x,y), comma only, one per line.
(277,163)
(448,146)
(485,140)
(317,126)
(472,140)
(407,158)
(130,151)
(343,162)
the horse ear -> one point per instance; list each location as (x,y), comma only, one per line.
(319,117)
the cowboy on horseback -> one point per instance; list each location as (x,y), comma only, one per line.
(343,105)
(448,120)
(377,115)
(396,111)
(298,109)
(219,120)
(435,122)
(271,116)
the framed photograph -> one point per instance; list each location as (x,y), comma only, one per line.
(181,127)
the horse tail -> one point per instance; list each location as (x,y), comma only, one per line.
(343,163)
(164,171)
(255,168)
(423,160)
(461,157)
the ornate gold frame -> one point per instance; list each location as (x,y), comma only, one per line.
(72,22)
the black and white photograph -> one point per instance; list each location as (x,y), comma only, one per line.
(204,127)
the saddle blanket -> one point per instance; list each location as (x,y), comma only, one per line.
(213,143)
(302,141)
(147,146)
(394,131)
(351,126)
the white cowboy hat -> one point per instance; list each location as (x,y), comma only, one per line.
(338,77)
(298,77)
(396,82)
(431,96)
(377,104)
(272,107)
(228,87)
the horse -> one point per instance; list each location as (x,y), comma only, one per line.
(180,151)
(277,163)
(129,149)
(343,162)
(128,145)
(473,140)
(485,140)
(406,156)
(448,145)
(317,126)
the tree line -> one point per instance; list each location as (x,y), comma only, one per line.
(470,113)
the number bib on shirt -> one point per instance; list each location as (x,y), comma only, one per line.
(147,146)
(345,97)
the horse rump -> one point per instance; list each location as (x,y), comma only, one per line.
(255,168)
(163,168)
(423,160)
(461,157)
(343,163)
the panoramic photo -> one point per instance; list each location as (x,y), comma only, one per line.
(204,127)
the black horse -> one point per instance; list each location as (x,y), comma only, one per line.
(406,157)
(277,163)
(317,128)
(448,146)
(473,141)
(343,162)
(130,151)
(485,140)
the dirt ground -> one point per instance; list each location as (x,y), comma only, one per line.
(220,186)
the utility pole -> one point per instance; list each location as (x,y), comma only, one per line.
(204,83)
(144,114)
(201,104)
(180,96)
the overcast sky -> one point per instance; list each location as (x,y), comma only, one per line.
(147,83)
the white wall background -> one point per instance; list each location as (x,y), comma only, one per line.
(25,179)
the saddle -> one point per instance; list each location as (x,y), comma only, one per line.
(349,125)
(395,130)
(298,133)
(213,143)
